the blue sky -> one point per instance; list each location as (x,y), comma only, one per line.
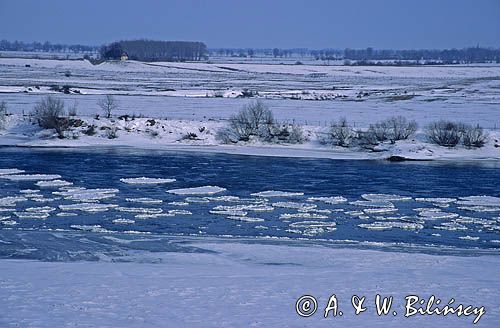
(257,23)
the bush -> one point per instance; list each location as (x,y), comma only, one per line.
(393,129)
(256,121)
(474,136)
(3,114)
(444,133)
(287,133)
(49,114)
(341,133)
(73,110)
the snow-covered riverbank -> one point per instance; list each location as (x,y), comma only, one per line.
(184,135)
(247,285)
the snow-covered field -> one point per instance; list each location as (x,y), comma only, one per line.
(247,285)
(193,96)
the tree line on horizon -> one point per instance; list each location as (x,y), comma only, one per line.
(149,50)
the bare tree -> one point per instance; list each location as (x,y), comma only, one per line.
(108,104)
(49,113)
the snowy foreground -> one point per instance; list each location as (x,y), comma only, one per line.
(247,285)
(186,135)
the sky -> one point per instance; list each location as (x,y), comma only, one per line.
(314,24)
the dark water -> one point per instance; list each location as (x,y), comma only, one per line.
(58,237)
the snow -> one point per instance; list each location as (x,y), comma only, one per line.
(204,190)
(238,284)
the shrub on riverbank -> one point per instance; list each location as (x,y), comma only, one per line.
(256,121)
(49,114)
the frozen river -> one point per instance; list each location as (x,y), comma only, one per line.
(96,206)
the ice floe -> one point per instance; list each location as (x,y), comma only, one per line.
(294,205)
(468,238)
(146,181)
(87,207)
(10,171)
(30,177)
(142,210)
(86,195)
(328,200)
(144,200)
(54,183)
(275,193)
(205,190)
(436,200)
(388,225)
(11,200)
(305,215)
(385,197)
(31,215)
(123,221)
(90,228)
(434,215)
(369,203)
(245,219)
(44,209)
(479,201)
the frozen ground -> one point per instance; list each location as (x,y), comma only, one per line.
(241,284)
(186,97)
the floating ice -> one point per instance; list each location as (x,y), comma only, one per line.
(314,210)
(369,203)
(436,200)
(180,212)
(354,213)
(388,225)
(86,195)
(479,201)
(328,200)
(6,209)
(29,191)
(142,210)
(11,200)
(91,228)
(205,190)
(274,193)
(53,184)
(385,197)
(178,203)
(451,226)
(434,215)
(313,228)
(31,177)
(31,215)
(229,212)
(306,215)
(146,181)
(144,200)
(245,219)
(245,207)
(87,207)
(224,198)
(480,208)
(9,222)
(66,214)
(197,200)
(44,209)
(380,210)
(468,238)
(123,221)
(10,171)
(154,216)
(294,205)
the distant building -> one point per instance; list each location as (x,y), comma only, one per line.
(124,56)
